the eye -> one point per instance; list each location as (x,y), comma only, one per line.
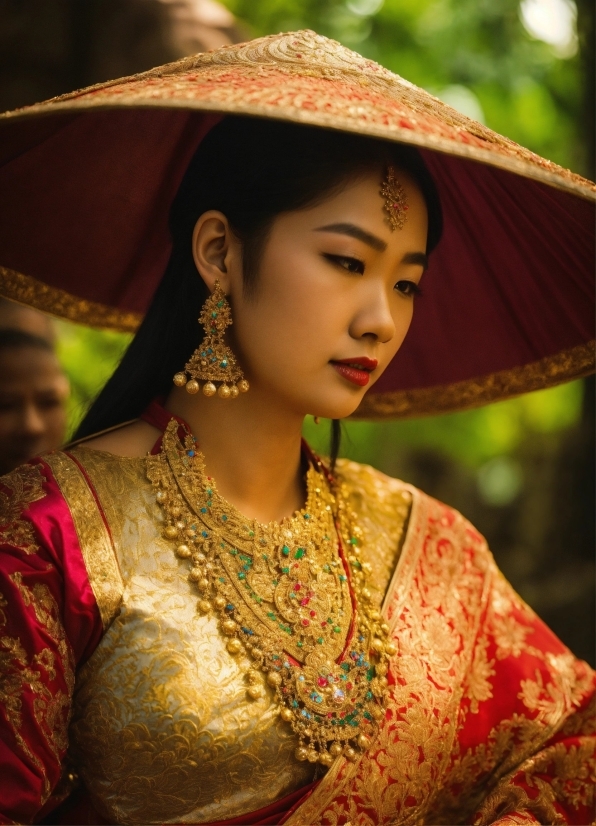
(409,288)
(346,263)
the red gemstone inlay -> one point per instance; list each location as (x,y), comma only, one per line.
(322,682)
(313,613)
(297,586)
(305,622)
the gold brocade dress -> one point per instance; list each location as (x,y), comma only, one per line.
(162,730)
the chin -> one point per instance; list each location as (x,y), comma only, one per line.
(336,408)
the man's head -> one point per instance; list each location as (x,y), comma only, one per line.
(33,392)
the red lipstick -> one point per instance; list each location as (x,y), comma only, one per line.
(357,370)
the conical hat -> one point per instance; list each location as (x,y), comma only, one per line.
(87,180)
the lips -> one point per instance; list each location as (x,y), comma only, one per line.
(355,370)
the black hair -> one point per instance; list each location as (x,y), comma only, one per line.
(13,337)
(251,170)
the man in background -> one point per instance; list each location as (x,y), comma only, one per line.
(33,388)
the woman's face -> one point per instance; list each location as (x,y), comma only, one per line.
(335,287)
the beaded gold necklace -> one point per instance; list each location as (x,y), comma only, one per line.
(287,595)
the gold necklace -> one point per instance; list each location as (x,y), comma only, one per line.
(287,594)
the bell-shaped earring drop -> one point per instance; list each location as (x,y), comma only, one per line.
(213,361)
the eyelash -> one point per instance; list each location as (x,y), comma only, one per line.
(407,288)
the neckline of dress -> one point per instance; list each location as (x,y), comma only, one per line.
(157,416)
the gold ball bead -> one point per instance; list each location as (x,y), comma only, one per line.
(243,386)
(381,669)
(301,754)
(183,551)
(195,574)
(254,692)
(312,756)
(192,387)
(286,714)
(176,511)
(203,585)
(274,679)
(390,649)
(161,496)
(219,603)
(171,532)
(365,594)
(209,389)
(229,627)
(253,676)
(234,647)
(349,753)
(325,759)
(179,379)
(256,653)
(374,615)
(234,392)
(307,732)
(335,750)
(199,558)
(363,741)
(203,606)
(377,645)
(384,628)
(224,391)
(383,682)
(377,712)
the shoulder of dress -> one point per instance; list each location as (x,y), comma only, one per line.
(367,479)
(378,495)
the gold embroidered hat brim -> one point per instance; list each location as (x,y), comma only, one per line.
(56,158)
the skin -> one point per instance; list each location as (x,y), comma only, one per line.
(33,392)
(321,295)
(18,317)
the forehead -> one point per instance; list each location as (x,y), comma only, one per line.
(359,200)
(24,364)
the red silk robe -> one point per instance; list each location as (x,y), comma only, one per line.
(489,719)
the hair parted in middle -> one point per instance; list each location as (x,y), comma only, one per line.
(251,170)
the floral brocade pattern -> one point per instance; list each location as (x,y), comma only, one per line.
(162,730)
(17,491)
(455,748)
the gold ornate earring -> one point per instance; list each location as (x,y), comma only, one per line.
(396,204)
(213,361)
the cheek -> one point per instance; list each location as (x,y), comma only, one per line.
(288,322)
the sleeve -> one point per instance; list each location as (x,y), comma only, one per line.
(528,726)
(49,623)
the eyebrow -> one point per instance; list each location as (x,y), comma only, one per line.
(356,232)
(373,241)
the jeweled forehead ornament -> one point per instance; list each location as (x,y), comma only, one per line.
(396,205)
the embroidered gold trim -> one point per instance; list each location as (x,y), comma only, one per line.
(22,487)
(34,293)
(94,540)
(463,395)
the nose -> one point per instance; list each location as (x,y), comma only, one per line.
(374,318)
(32,423)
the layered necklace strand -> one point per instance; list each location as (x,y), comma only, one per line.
(287,594)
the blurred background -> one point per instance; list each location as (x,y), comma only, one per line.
(521,470)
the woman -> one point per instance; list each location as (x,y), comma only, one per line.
(204,622)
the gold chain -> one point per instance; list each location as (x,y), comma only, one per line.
(286,593)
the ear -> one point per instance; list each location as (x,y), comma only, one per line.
(216,251)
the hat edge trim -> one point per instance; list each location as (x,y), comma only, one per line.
(57,302)
(566,365)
